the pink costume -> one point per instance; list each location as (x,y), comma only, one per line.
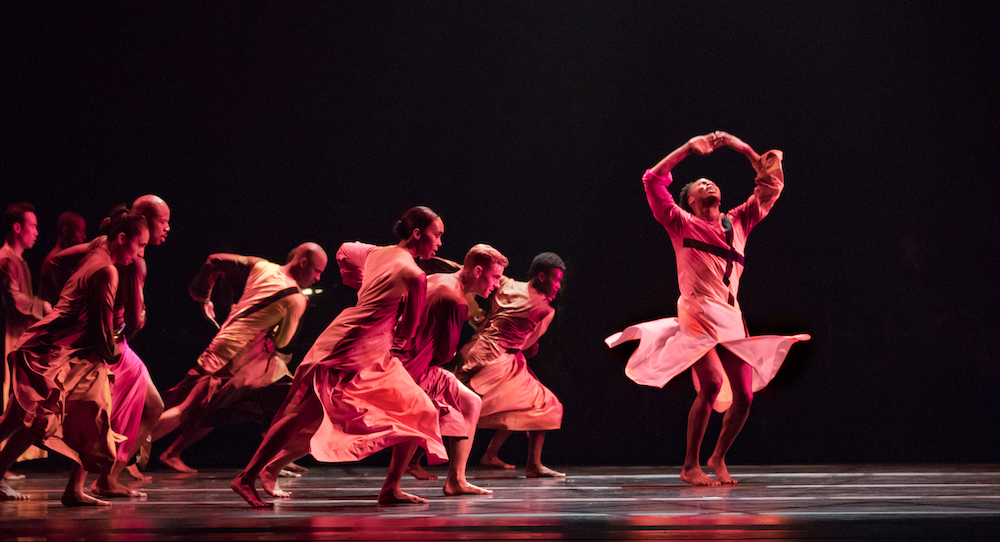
(131,377)
(434,344)
(243,355)
(60,368)
(494,366)
(20,309)
(369,401)
(709,266)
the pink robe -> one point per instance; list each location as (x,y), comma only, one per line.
(131,377)
(369,402)
(243,356)
(61,368)
(21,309)
(708,311)
(494,366)
(435,344)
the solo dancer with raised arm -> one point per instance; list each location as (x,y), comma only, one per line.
(708,334)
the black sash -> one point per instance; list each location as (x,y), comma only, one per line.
(265,302)
(728,254)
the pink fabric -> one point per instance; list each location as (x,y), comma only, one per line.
(60,367)
(434,344)
(369,402)
(128,396)
(494,367)
(444,389)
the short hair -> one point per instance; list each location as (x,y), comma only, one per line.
(483,255)
(68,221)
(545,263)
(124,221)
(684,197)
(15,215)
(416,218)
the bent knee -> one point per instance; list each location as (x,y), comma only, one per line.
(711,387)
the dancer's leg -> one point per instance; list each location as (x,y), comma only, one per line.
(458,449)
(709,371)
(490,458)
(391,492)
(741,379)
(535,468)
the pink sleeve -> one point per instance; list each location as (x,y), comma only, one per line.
(351,259)
(661,202)
(770,181)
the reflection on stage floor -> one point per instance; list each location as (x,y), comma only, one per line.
(857,502)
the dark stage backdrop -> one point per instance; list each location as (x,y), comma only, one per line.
(527,125)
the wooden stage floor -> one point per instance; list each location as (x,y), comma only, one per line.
(818,502)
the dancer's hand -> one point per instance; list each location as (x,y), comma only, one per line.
(703,144)
(209,309)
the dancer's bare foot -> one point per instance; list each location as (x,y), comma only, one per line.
(134,472)
(396,496)
(494,462)
(541,471)
(71,498)
(174,462)
(8,493)
(296,468)
(269,481)
(697,477)
(419,472)
(249,493)
(285,473)
(721,472)
(12,476)
(454,488)
(106,487)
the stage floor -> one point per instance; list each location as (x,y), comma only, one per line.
(824,502)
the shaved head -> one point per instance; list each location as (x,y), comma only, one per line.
(306,263)
(157,214)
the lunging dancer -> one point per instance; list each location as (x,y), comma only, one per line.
(350,398)
(494,364)
(435,344)
(708,333)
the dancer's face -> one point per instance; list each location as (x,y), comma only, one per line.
(550,283)
(28,230)
(160,226)
(704,191)
(430,239)
(309,270)
(488,280)
(132,248)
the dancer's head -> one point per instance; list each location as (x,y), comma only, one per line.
(128,235)
(420,229)
(546,274)
(72,229)
(20,225)
(157,215)
(700,193)
(482,269)
(306,264)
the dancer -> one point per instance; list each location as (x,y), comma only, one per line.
(435,343)
(709,334)
(494,364)
(243,356)
(61,384)
(136,402)
(71,230)
(20,307)
(350,398)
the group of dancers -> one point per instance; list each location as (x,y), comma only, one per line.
(388,372)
